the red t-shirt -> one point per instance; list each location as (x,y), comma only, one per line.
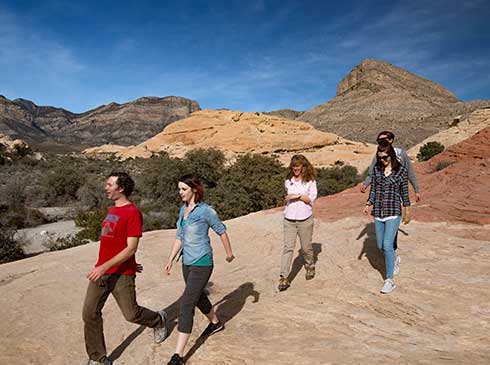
(119,224)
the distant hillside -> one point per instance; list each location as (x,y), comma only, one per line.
(123,124)
(376,95)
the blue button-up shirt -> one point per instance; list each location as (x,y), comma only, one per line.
(194,233)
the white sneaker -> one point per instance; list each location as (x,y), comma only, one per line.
(388,286)
(398,260)
(160,332)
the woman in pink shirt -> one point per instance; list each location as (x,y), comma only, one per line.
(301,192)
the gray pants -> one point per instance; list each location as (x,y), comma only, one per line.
(123,289)
(196,279)
(292,229)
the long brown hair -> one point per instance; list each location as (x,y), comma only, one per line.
(308,173)
(390,150)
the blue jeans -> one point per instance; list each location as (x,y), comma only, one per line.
(385,237)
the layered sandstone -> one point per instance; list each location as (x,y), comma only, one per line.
(237,133)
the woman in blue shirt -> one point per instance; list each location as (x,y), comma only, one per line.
(192,241)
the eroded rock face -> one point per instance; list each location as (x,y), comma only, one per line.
(237,133)
(457,193)
(123,124)
(376,96)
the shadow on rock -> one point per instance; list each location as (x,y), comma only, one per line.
(370,249)
(172,313)
(227,308)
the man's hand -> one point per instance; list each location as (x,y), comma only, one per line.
(417,197)
(366,209)
(96,273)
(362,188)
(405,215)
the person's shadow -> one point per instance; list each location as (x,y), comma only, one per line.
(227,308)
(370,249)
(299,262)
(172,313)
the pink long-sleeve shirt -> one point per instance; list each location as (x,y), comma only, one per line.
(297,209)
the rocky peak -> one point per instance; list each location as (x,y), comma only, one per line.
(375,75)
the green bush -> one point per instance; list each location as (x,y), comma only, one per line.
(429,150)
(91,221)
(69,241)
(441,165)
(252,183)
(336,179)
(10,250)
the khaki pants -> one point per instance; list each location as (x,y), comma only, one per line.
(123,289)
(303,229)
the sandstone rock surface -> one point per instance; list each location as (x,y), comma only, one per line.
(237,133)
(438,314)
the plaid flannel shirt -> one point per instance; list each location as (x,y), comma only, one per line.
(387,192)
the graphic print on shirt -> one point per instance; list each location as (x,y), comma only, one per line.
(109,225)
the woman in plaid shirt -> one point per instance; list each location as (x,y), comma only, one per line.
(389,190)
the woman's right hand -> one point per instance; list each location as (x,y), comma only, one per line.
(168,268)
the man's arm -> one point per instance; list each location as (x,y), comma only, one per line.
(124,255)
(407,162)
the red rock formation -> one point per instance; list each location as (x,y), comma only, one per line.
(457,193)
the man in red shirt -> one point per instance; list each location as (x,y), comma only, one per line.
(115,271)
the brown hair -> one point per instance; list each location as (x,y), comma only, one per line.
(390,150)
(308,174)
(195,184)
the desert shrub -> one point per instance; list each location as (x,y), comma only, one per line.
(429,150)
(336,179)
(441,165)
(10,250)
(62,183)
(69,241)
(91,221)
(252,183)
(91,193)
(208,164)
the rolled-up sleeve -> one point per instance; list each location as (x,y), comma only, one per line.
(214,221)
(312,191)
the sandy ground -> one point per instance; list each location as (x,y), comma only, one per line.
(438,314)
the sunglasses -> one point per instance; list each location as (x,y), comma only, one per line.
(383,142)
(385,157)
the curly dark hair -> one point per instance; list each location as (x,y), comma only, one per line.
(124,181)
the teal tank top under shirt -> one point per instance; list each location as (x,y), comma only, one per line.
(206,260)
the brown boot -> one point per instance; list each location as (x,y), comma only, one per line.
(310,272)
(283,284)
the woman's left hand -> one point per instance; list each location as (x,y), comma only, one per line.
(405,215)
(230,258)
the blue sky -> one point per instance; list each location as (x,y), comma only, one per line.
(249,55)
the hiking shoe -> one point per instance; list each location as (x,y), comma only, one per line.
(283,284)
(160,332)
(213,328)
(388,286)
(310,272)
(397,265)
(106,361)
(176,360)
